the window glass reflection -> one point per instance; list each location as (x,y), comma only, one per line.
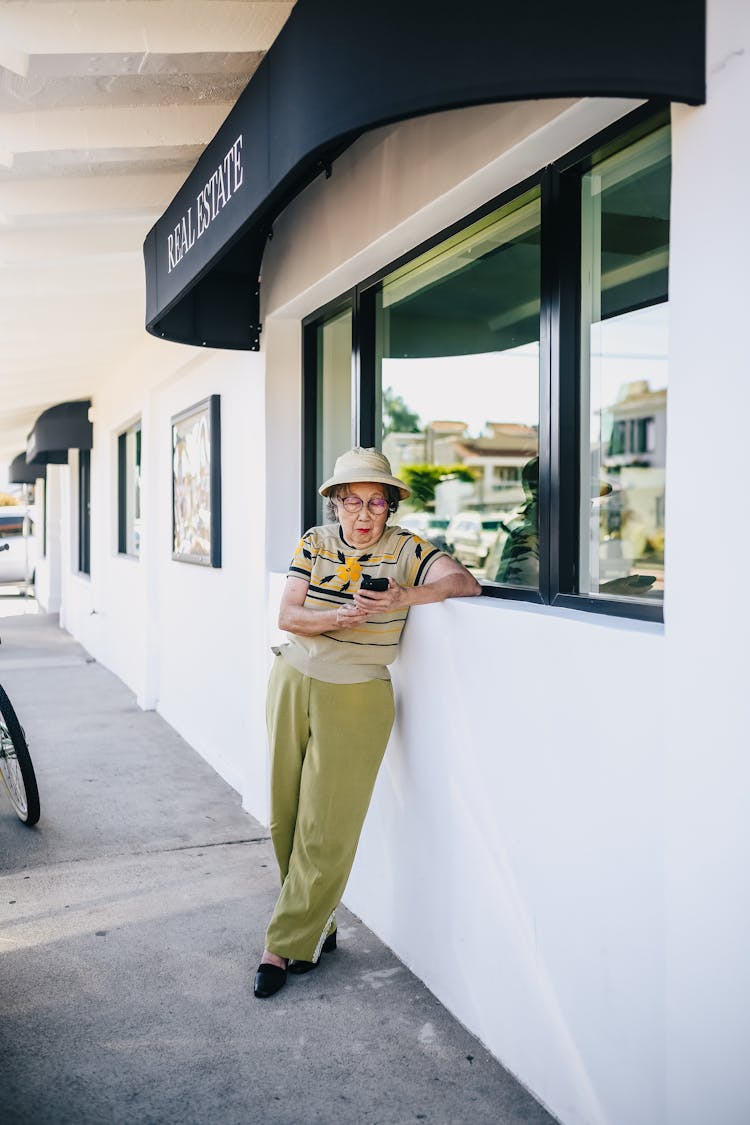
(458,364)
(129,491)
(624,344)
(334,409)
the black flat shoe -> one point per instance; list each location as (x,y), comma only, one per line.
(268,980)
(299,967)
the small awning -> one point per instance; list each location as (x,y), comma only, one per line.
(21,472)
(338,69)
(62,427)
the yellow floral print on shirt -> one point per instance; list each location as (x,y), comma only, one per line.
(349,572)
(302,549)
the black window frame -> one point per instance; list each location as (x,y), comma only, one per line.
(560,374)
(311,388)
(84,512)
(122,483)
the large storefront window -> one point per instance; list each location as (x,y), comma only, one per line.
(514,371)
(624,366)
(457,366)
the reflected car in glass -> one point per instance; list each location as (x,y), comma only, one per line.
(470,535)
(427,526)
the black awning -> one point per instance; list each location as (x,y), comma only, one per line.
(338,69)
(21,472)
(62,427)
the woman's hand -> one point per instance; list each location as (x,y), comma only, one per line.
(295,617)
(375,601)
(446,578)
(348,616)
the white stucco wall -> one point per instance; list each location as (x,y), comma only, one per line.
(511,854)
(708,620)
(181,636)
(211,651)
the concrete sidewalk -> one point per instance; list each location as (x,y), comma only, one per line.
(131,923)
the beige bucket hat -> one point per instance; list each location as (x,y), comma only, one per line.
(360,465)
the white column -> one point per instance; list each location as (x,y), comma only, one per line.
(707,602)
(48,569)
(155,539)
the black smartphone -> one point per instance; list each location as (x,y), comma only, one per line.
(369,583)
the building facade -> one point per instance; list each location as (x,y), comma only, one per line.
(558,838)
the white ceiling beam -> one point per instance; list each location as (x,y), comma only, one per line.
(73,244)
(44,382)
(136,26)
(103,127)
(73,319)
(97,276)
(43,385)
(69,313)
(99,198)
(102,162)
(222,66)
(12,59)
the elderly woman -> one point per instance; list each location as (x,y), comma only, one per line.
(330,699)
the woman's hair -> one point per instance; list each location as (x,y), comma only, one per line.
(392,495)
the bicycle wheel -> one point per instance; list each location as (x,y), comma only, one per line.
(16,769)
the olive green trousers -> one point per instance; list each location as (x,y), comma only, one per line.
(327,742)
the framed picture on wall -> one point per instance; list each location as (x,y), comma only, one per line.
(196,484)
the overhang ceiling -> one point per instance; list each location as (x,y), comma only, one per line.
(105,105)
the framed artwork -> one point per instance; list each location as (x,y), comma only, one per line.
(196,484)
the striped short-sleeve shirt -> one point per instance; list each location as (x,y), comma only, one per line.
(334,572)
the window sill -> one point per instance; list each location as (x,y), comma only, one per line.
(629,610)
(567,608)
(581,603)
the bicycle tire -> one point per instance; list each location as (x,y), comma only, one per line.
(16,769)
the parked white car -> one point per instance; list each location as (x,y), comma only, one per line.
(19,561)
(426,525)
(470,535)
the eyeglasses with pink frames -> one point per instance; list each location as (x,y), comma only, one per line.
(377,505)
